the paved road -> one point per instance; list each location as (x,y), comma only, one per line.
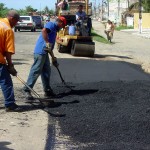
(144,34)
(132,48)
(108,108)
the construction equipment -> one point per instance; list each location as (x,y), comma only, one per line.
(80,43)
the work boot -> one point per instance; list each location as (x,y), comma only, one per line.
(49,93)
(29,96)
(13,108)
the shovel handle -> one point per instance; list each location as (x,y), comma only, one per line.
(60,75)
(37,95)
(63,81)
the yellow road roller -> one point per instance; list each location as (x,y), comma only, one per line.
(73,39)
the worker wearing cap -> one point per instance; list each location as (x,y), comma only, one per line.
(7,49)
(41,65)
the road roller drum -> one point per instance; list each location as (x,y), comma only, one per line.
(85,49)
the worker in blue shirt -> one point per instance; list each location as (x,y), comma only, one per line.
(41,65)
(80,15)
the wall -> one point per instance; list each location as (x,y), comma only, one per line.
(145,20)
(114,11)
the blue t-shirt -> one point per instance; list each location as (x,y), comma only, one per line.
(41,44)
(82,15)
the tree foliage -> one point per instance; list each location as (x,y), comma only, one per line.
(29,9)
(46,10)
(26,11)
(3,10)
(22,12)
(146,5)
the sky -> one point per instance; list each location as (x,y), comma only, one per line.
(36,4)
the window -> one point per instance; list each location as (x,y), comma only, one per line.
(25,18)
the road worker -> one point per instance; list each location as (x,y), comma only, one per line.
(7,49)
(41,65)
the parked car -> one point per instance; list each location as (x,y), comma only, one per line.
(38,22)
(26,23)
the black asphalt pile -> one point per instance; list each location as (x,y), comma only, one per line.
(106,115)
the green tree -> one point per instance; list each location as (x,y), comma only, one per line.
(29,9)
(51,11)
(46,10)
(146,5)
(3,10)
(22,12)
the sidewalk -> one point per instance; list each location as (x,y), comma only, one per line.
(144,34)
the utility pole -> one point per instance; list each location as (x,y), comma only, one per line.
(40,9)
(128,1)
(118,12)
(140,16)
(102,12)
(108,7)
(95,9)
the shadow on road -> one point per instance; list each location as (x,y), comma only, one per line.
(80,92)
(3,146)
(104,56)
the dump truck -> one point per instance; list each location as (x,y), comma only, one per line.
(81,43)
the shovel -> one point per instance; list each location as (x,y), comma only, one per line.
(56,114)
(35,93)
(63,81)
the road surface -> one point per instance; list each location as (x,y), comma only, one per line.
(108,108)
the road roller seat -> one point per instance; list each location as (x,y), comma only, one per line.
(84,26)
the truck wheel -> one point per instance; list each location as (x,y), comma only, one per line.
(33,30)
(15,30)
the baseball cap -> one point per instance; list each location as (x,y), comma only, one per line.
(14,14)
(63,19)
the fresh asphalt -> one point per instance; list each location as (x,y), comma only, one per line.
(107,110)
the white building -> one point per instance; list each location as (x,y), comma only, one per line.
(116,8)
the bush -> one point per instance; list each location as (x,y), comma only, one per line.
(121,27)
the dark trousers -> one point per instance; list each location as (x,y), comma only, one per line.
(6,85)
